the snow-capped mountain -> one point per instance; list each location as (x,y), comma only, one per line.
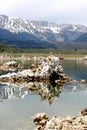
(18,29)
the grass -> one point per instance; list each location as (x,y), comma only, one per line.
(14,52)
(65,54)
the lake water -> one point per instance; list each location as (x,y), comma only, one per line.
(20,102)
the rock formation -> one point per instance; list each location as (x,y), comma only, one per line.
(8,66)
(48,69)
(60,123)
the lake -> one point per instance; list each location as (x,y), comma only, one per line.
(20,102)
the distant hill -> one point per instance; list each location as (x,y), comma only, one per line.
(6,48)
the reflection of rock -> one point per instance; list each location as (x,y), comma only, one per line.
(46,90)
(74,86)
(12,92)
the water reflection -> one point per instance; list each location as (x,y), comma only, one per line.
(84,62)
(12,92)
(46,91)
(75,69)
(74,87)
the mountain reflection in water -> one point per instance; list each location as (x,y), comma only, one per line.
(46,91)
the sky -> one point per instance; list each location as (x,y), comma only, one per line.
(57,11)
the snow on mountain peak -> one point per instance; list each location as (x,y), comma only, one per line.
(42,29)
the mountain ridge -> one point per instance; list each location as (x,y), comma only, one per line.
(39,32)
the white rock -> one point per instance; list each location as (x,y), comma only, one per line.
(10,63)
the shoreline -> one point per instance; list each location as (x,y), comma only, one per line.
(30,56)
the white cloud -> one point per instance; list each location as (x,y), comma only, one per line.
(54,10)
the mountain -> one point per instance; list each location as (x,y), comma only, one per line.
(82,38)
(23,33)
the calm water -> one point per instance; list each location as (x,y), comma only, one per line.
(19,103)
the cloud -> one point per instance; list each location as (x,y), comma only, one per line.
(54,10)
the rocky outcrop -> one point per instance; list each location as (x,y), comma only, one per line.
(60,123)
(8,66)
(84,112)
(48,68)
(41,119)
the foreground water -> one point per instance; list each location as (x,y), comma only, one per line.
(19,103)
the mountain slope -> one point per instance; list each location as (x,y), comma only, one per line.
(82,38)
(38,34)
